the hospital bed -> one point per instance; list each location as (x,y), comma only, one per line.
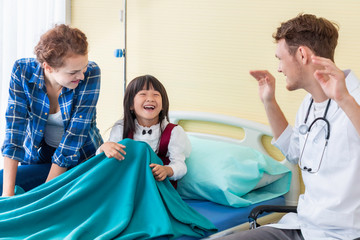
(226,218)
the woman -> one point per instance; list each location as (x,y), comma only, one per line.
(51,114)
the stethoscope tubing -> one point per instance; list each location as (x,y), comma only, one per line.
(327,126)
(303,131)
(316,119)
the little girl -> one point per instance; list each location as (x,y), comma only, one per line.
(146,107)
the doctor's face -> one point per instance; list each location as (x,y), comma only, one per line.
(289,66)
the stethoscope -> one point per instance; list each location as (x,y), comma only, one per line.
(304,129)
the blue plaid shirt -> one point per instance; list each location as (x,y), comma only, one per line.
(28,110)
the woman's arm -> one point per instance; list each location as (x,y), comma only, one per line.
(55,171)
(16,116)
(16,123)
(9,176)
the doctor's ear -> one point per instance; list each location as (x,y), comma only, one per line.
(304,54)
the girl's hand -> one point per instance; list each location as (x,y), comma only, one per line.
(266,83)
(331,79)
(113,150)
(161,172)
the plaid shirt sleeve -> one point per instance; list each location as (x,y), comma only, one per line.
(16,116)
(79,110)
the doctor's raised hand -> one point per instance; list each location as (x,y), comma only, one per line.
(330,78)
(332,81)
(266,83)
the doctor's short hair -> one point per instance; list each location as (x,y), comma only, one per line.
(318,34)
(58,43)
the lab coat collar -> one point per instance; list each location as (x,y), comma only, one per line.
(351,80)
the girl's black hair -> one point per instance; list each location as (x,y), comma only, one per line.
(136,85)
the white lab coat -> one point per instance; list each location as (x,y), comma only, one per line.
(330,206)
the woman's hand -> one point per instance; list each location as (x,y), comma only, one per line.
(113,150)
(161,172)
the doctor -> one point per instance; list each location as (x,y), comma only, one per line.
(325,140)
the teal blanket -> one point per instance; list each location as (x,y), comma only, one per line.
(103,198)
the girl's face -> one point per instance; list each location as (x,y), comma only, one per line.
(147,106)
(70,74)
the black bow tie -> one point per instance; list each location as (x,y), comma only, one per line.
(144,132)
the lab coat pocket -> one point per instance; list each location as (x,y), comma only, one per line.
(334,220)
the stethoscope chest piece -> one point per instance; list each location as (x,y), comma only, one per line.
(303,129)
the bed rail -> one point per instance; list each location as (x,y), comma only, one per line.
(253,134)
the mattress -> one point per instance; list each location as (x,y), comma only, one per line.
(224,217)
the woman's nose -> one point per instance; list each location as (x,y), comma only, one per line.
(81,76)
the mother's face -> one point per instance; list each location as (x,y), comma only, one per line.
(70,74)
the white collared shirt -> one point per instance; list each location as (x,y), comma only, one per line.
(179,147)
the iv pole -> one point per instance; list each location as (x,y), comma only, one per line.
(119,53)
